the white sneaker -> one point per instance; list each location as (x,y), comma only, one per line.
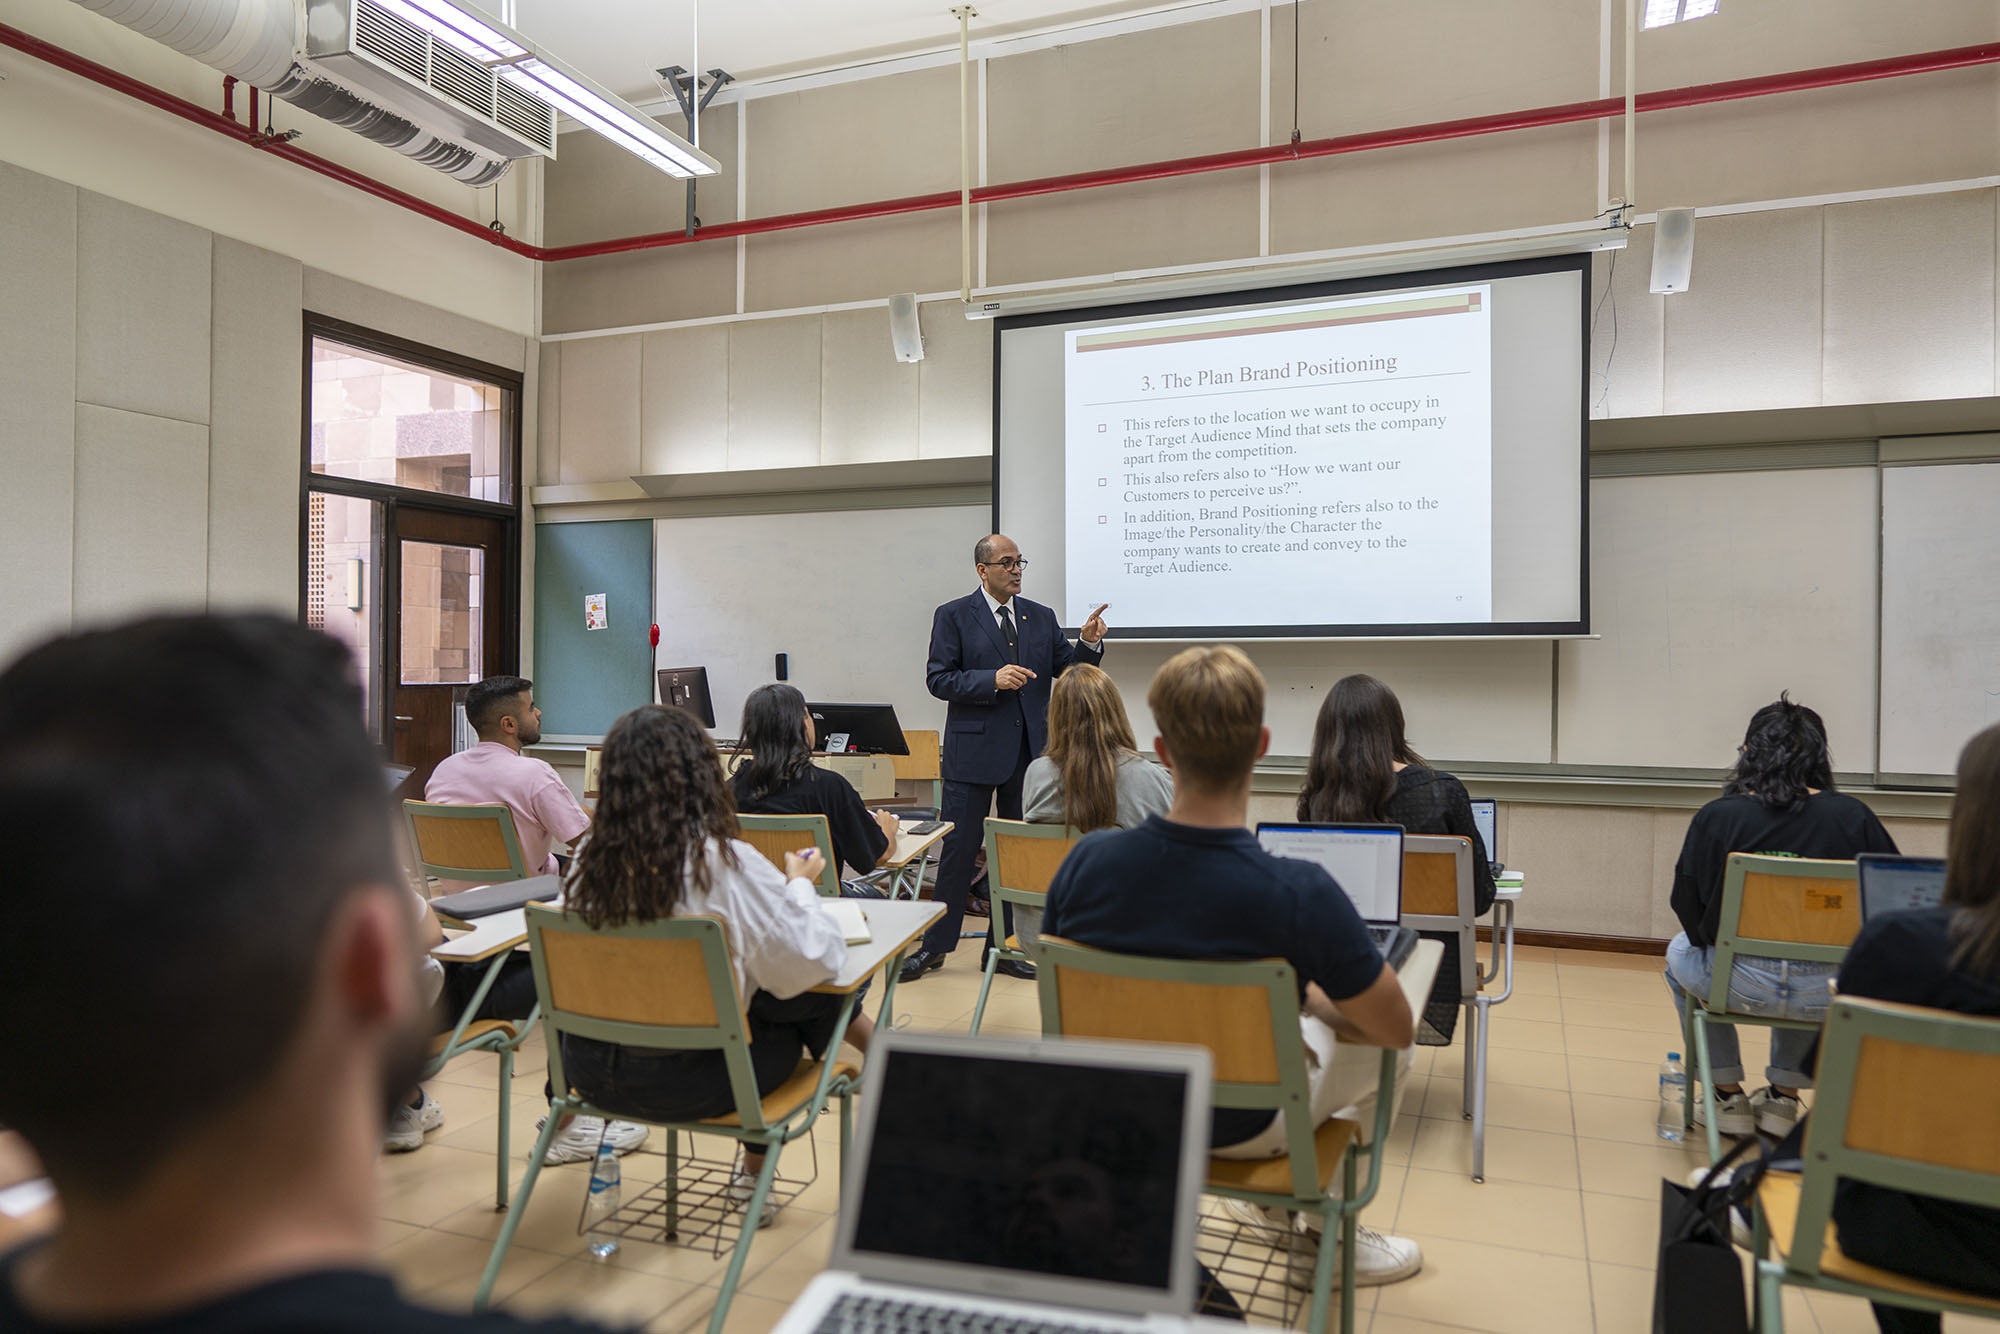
(1733,1114)
(1378,1257)
(742,1185)
(430,1113)
(577,1142)
(1739,1217)
(1274,1226)
(405,1130)
(1777,1113)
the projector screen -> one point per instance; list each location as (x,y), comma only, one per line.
(1389,456)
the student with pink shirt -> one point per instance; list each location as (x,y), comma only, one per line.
(502,712)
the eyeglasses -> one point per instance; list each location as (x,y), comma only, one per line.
(1010,564)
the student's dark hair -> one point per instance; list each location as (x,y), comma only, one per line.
(1357,742)
(773,752)
(1972,857)
(172,874)
(1784,753)
(660,798)
(486,703)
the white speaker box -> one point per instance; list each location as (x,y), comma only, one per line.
(904,333)
(1673,250)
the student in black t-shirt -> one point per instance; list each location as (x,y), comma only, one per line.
(774,775)
(1778,799)
(1364,769)
(1947,958)
(1194,884)
(209,977)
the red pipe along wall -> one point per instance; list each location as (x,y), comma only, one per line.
(1830,76)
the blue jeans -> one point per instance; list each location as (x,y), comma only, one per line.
(1774,988)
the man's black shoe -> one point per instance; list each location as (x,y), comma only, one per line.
(1020,968)
(916,965)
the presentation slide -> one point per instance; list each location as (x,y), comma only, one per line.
(1390,456)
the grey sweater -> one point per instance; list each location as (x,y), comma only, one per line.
(1144,788)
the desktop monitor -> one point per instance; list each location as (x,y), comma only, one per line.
(686,689)
(869,729)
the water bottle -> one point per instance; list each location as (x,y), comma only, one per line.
(605,1192)
(1673,1088)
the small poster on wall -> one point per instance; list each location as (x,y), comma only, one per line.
(595,617)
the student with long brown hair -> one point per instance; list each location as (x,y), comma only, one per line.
(664,844)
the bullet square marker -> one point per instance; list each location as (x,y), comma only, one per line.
(1102,428)
(1103,518)
(1104,481)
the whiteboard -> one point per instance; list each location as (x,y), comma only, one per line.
(1713,592)
(1940,612)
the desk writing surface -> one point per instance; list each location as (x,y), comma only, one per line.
(489,935)
(895,924)
(909,846)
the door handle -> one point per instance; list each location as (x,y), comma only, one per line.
(405,718)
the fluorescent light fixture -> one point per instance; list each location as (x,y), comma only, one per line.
(1699,9)
(516,59)
(1659,13)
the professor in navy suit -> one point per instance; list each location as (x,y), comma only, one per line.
(994,656)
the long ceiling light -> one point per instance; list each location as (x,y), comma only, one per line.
(1659,13)
(517,60)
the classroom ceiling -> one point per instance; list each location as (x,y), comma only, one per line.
(621,42)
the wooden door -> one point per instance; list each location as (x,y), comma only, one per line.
(453,604)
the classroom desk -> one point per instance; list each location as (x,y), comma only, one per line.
(908,858)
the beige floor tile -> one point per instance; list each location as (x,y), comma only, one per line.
(594,1289)
(434,1182)
(748,1314)
(1622,985)
(1515,1033)
(1403,1135)
(1528,953)
(1623,1230)
(549,1222)
(442,1269)
(1531,1156)
(1612,1044)
(787,1274)
(1630,1120)
(1840,1314)
(388,1232)
(1623,1297)
(1616,1078)
(1545,1219)
(1506,1105)
(1542,1008)
(1383,1323)
(1493,1288)
(475,1129)
(1643,1013)
(1533,979)
(1613,1168)
(1530,1069)
(1653,963)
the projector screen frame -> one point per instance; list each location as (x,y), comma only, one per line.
(1578,263)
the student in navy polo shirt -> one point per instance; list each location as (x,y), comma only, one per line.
(1194,884)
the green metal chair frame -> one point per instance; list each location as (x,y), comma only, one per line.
(503,1046)
(729,1034)
(517,864)
(1853,1025)
(1289,1096)
(828,884)
(1000,893)
(1730,942)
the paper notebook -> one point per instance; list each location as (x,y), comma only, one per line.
(847,915)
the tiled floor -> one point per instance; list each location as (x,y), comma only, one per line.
(1559,1239)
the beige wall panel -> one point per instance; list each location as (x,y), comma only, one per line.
(142,310)
(1711,593)
(1119,227)
(1748,40)
(868,399)
(1918,838)
(597,191)
(1628,332)
(854,142)
(548,417)
(38,419)
(1458,187)
(774,393)
(852,261)
(1907,131)
(684,400)
(599,412)
(1590,869)
(1746,333)
(373,308)
(1910,298)
(253,455)
(1490,58)
(1669,832)
(684,282)
(954,383)
(141,514)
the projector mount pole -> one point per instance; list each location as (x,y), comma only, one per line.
(684,88)
(964,14)
(1630,210)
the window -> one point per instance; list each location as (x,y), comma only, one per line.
(379,418)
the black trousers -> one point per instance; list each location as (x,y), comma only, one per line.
(967,805)
(1957,1245)
(511,996)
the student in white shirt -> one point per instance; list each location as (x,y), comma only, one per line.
(664,845)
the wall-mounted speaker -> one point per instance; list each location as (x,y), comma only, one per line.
(905,335)
(1673,250)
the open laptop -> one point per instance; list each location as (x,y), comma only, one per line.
(1890,883)
(1486,819)
(1366,860)
(1055,1183)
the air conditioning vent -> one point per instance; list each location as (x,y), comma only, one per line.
(466,82)
(392,40)
(525,114)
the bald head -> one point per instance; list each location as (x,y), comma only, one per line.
(998,563)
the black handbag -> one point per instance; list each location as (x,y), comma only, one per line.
(1698,1284)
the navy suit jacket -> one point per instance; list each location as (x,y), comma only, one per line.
(983,726)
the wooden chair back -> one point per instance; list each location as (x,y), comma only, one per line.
(1022,858)
(465,842)
(1438,895)
(776,835)
(1796,908)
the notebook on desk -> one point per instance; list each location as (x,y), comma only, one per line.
(486,900)
(1365,860)
(847,915)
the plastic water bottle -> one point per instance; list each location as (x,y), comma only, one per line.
(605,1191)
(1673,1088)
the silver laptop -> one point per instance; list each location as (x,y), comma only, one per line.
(1890,883)
(1048,1181)
(1486,819)
(1366,860)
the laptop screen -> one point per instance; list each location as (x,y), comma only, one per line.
(1486,819)
(1899,884)
(1366,860)
(1044,1169)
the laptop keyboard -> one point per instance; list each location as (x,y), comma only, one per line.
(852,1313)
